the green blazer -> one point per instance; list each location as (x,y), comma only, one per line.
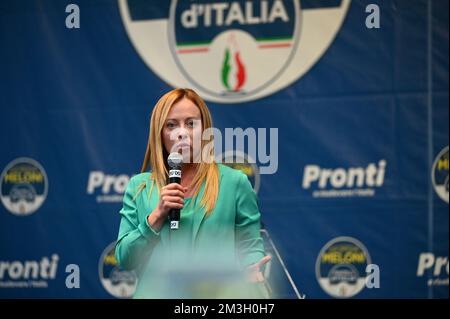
(229,235)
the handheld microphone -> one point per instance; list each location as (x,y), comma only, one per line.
(174,161)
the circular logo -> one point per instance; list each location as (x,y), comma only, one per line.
(119,283)
(439,174)
(341,267)
(231,51)
(24,186)
(243,162)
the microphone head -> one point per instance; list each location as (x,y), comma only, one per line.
(175,160)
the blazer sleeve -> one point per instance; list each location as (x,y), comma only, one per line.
(136,238)
(249,243)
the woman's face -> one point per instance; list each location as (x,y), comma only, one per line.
(182,130)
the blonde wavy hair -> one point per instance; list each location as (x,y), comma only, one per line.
(156,155)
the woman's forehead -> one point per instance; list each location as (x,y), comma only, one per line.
(184,109)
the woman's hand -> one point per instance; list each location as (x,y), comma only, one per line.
(254,273)
(171,197)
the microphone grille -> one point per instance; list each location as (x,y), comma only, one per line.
(174,160)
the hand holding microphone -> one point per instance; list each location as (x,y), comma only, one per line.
(171,197)
(174,161)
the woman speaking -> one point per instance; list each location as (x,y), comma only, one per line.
(219,225)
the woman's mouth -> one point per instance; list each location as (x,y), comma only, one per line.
(182,145)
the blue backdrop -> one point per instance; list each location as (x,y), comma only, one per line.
(362,174)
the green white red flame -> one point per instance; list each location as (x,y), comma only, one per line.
(227,69)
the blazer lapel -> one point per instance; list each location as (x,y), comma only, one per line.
(200,214)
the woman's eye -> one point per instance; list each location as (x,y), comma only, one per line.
(170,125)
(193,123)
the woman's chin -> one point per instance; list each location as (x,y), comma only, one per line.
(187,157)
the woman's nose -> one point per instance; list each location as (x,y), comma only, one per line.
(182,133)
